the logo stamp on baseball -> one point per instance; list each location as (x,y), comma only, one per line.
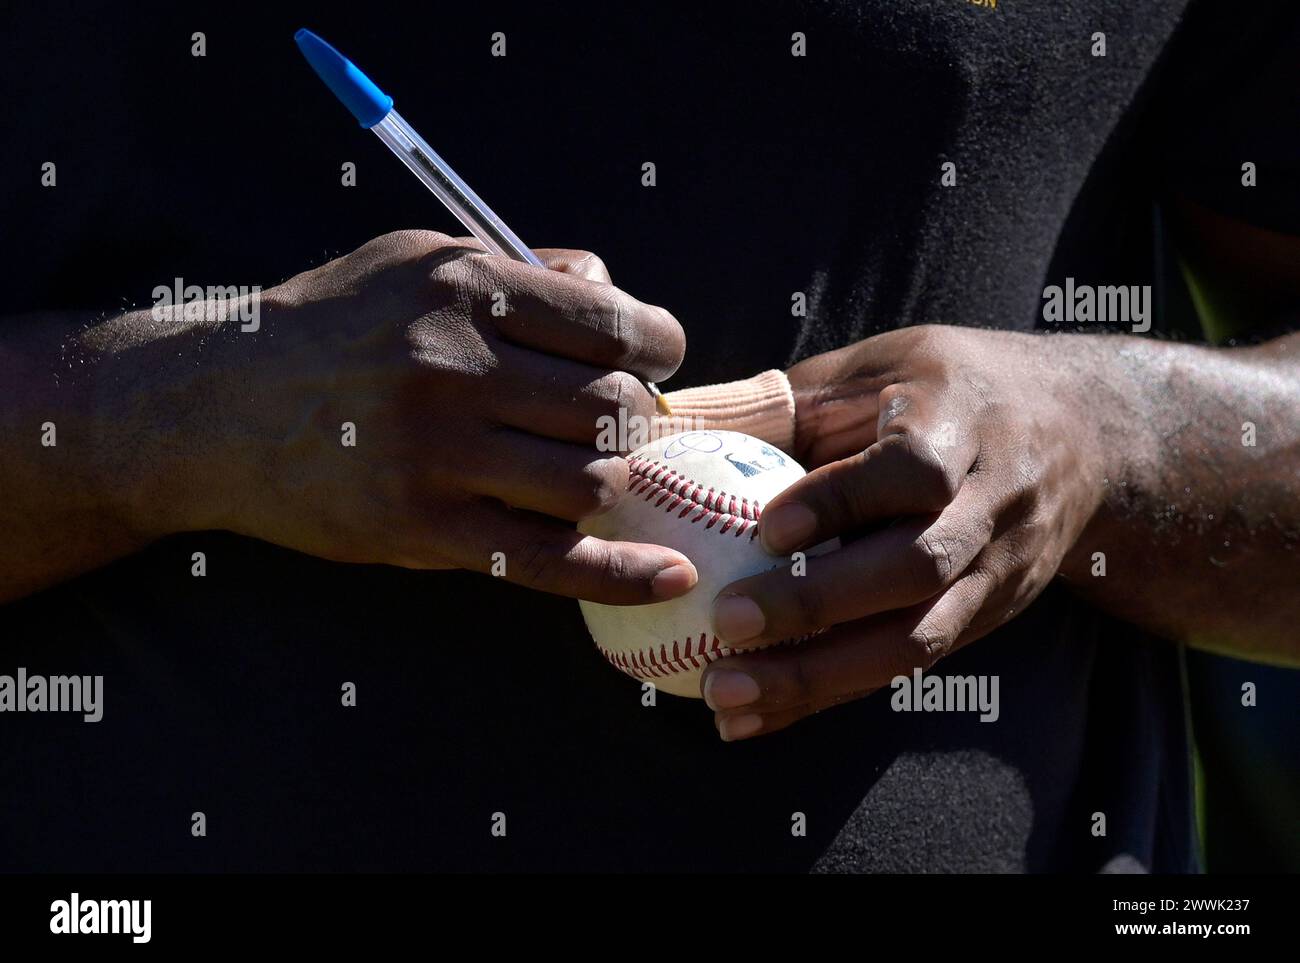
(701,493)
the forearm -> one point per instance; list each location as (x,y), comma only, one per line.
(79,477)
(1198,529)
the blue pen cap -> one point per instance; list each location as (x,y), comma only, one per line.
(369,104)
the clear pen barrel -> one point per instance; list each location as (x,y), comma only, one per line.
(425,164)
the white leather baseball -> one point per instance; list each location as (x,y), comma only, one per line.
(701,493)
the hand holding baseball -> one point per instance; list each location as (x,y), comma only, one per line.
(701,492)
(959,458)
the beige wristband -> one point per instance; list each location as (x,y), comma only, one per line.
(762,406)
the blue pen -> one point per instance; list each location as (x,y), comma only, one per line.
(373,109)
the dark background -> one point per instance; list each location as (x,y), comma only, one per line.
(223,692)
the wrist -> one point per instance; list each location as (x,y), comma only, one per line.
(149,427)
(1105,419)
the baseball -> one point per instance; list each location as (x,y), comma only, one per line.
(701,493)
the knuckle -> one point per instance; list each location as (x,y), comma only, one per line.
(607,314)
(930,339)
(534,561)
(424,249)
(602,482)
(398,250)
(451,271)
(589,265)
(809,606)
(935,558)
(935,482)
(415,239)
(616,568)
(839,497)
(623,392)
(926,645)
(621,397)
(614,318)
(894,400)
(611,567)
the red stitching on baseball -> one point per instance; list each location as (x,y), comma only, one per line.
(646,478)
(649,664)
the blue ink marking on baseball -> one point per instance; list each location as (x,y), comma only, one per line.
(766,460)
(701,441)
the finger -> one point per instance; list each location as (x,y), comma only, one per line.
(909,562)
(851,659)
(564,315)
(916,467)
(567,400)
(581,264)
(550,556)
(735,726)
(842,431)
(838,417)
(538,474)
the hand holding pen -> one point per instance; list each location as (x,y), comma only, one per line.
(373,109)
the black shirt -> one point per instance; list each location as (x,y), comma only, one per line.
(775,174)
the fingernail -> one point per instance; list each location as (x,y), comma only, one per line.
(729,689)
(739,727)
(786,527)
(737,618)
(677,579)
